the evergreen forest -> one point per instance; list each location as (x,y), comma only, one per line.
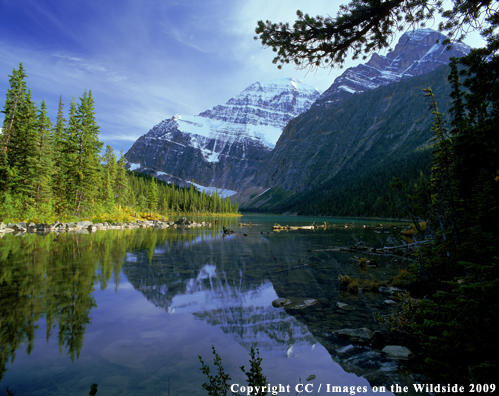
(52,171)
(354,194)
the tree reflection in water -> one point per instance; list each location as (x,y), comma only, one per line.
(228,283)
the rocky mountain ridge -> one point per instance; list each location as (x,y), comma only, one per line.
(354,134)
(223,146)
(325,148)
(417,52)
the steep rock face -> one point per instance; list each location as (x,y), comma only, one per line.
(354,135)
(224,146)
(416,53)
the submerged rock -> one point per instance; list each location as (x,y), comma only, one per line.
(280,302)
(301,305)
(345,307)
(389,290)
(294,303)
(397,352)
(362,335)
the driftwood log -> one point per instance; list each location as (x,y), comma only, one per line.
(402,251)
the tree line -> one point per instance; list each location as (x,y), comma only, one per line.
(56,170)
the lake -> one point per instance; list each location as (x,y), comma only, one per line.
(131,310)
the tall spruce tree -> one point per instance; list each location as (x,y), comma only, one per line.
(82,154)
(22,153)
(152,196)
(12,125)
(121,184)
(60,150)
(110,163)
(71,165)
(44,166)
(89,147)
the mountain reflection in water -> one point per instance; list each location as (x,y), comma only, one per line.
(205,290)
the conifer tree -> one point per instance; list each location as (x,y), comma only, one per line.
(60,151)
(110,163)
(106,191)
(152,195)
(15,96)
(22,152)
(11,128)
(44,168)
(11,123)
(82,154)
(71,168)
(121,184)
(89,167)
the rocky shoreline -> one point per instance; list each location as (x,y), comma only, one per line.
(88,226)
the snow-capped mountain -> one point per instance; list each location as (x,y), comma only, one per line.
(223,146)
(417,52)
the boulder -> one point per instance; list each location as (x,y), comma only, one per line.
(280,302)
(182,222)
(362,335)
(83,224)
(19,227)
(397,352)
(43,227)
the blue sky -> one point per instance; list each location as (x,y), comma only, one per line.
(146,60)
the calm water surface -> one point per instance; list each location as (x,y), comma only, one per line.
(131,310)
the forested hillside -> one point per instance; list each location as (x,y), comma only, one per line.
(50,171)
(339,159)
(353,194)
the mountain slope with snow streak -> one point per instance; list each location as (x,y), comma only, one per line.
(416,53)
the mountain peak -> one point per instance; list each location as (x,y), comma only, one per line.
(286,82)
(417,52)
(420,35)
(264,108)
(222,146)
